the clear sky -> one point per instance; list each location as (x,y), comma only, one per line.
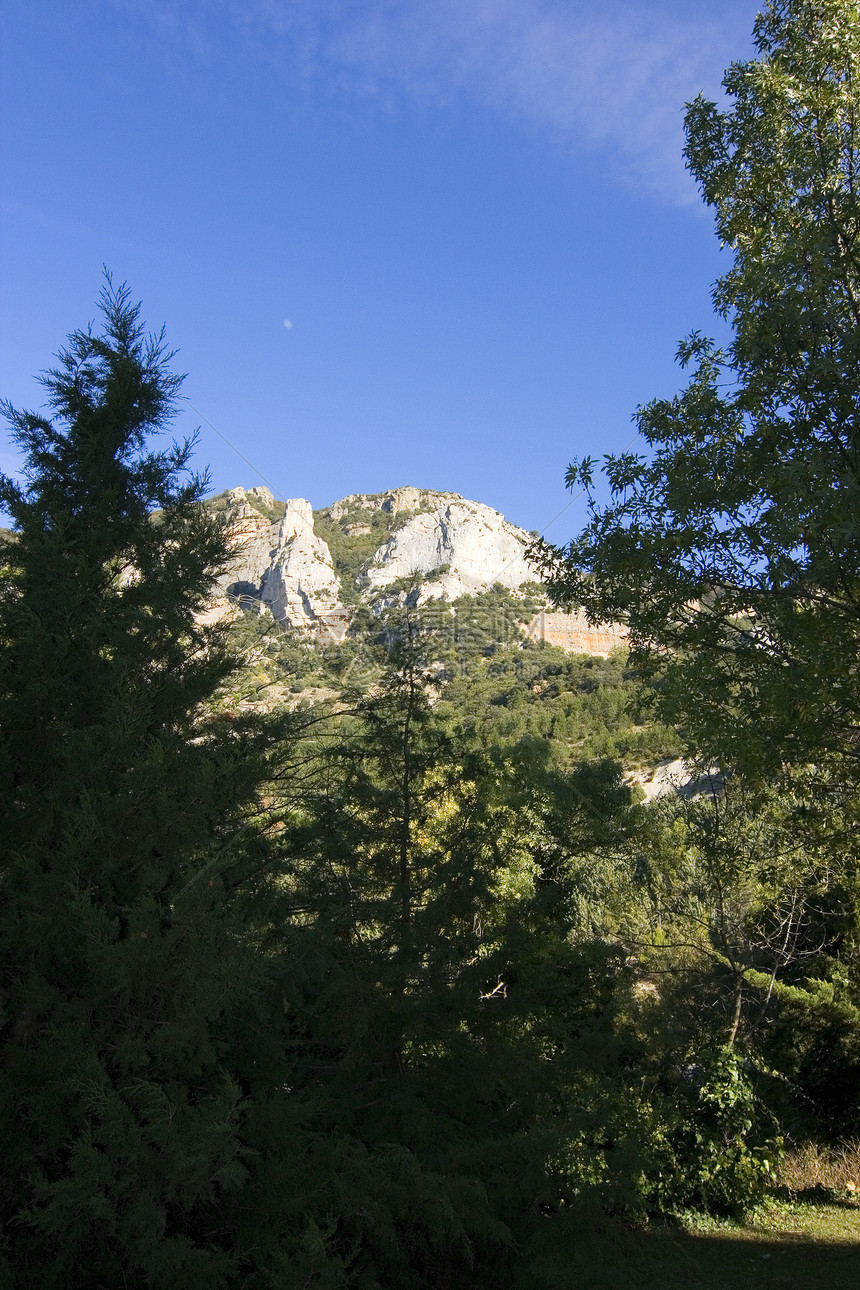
(448,243)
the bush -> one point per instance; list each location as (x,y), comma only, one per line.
(708,1150)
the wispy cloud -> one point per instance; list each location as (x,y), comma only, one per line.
(611,80)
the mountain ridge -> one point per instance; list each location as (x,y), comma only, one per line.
(311,570)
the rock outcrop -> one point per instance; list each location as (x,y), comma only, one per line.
(461,548)
(574,633)
(252,536)
(452,546)
(394,501)
(300,587)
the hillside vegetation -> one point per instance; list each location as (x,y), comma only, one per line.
(482,671)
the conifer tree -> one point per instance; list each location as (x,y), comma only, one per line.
(448,1019)
(123,829)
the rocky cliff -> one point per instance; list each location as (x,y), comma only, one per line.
(310,569)
(459,547)
(300,586)
(575,634)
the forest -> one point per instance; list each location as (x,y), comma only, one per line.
(397,982)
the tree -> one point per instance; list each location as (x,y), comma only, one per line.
(732,547)
(450,1020)
(124,834)
(744,924)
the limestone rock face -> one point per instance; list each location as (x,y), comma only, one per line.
(478,546)
(252,537)
(301,586)
(575,634)
(458,547)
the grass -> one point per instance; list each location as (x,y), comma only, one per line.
(807,1241)
(832,1168)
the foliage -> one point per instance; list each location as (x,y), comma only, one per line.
(376,992)
(731,549)
(581,707)
(486,676)
(342,996)
(354,539)
(124,819)
(710,1151)
(454,1014)
(273,656)
(221,505)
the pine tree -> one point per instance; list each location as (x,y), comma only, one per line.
(123,831)
(451,1025)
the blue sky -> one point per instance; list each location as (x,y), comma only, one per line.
(473,215)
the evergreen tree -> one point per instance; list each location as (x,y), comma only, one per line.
(452,1027)
(123,832)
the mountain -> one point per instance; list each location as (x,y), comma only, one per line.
(311,569)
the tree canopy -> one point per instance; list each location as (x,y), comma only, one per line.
(730,546)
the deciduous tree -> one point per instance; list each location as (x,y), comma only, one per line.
(731,546)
